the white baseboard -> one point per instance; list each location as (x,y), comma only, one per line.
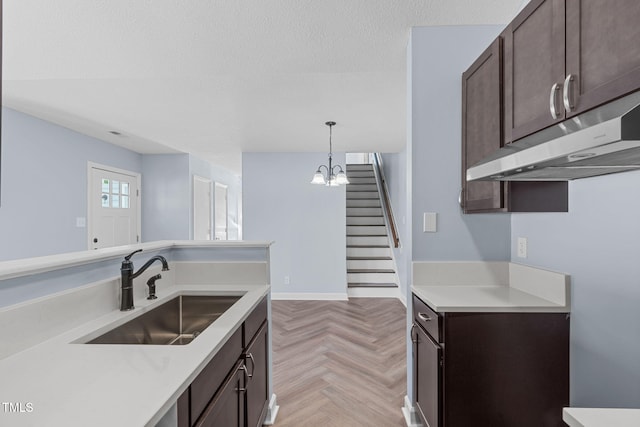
(308,296)
(272,412)
(411,419)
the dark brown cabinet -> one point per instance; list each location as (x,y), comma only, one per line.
(490,369)
(563,57)
(233,389)
(482,134)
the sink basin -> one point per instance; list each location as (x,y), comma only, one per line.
(176,322)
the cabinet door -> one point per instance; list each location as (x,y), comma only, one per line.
(534,68)
(603,51)
(227,407)
(482,127)
(428,378)
(257,393)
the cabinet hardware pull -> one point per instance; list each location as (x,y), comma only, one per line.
(413,340)
(460,199)
(552,101)
(424,317)
(253,365)
(567,98)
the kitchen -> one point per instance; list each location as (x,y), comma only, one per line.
(593,242)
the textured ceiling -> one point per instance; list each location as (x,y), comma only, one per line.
(216,78)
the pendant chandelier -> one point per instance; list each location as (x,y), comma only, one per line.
(331,179)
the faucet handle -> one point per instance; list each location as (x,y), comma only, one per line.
(128,257)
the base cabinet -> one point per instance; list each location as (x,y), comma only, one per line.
(490,369)
(233,389)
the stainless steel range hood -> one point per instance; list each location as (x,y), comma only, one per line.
(601,141)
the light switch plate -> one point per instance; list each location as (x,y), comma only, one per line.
(430,222)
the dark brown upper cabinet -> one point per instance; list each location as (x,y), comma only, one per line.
(563,57)
(482,134)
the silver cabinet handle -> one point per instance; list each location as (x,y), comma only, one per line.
(552,101)
(413,327)
(567,98)
(460,200)
(253,365)
(243,389)
(424,317)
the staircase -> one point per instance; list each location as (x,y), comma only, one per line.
(369,258)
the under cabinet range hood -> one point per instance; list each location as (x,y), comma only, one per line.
(601,141)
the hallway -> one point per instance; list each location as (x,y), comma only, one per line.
(339,363)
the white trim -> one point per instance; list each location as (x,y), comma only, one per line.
(92,165)
(325,296)
(211,205)
(411,418)
(272,411)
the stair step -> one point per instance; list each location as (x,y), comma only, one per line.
(365,220)
(366,230)
(351,195)
(371,285)
(364,211)
(360,174)
(363,203)
(371,277)
(368,252)
(351,188)
(372,258)
(367,265)
(359,167)
(359,180)
(368,246)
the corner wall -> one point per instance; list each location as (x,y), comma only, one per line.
(306,221)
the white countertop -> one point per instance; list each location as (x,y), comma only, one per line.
(69,384)
(601,417)
(483,299)
(490,287)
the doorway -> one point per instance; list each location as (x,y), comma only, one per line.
(222,212)
(113,209)
(202,206)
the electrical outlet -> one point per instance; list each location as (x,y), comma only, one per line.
(286,280)
(522,247)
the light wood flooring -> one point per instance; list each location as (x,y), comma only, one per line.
(339,363)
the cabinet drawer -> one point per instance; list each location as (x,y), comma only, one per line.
(212,376)
(427,318)
(254,321)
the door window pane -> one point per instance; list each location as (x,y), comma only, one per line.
(115,187)
(105,200)
(125,188)
(115,201)
(125,202)
(105,185)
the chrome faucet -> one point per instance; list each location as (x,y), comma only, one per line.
(127,275)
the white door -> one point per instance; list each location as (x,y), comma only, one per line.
(222,210)
(114,207)
(202,206)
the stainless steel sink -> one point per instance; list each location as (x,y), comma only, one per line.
(176,322)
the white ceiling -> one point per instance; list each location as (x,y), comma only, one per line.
(215,77)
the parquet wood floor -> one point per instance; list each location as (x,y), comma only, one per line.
(339,363)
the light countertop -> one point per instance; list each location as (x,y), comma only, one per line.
(601,417)
(72,384)
(490,287)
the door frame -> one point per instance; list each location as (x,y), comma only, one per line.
(215,207)
(211,206)
(92,165)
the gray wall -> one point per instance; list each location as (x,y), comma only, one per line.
(306,221)
(597,244)
(44,184)
(436,58)
(439,56)
(166,197)
(44,187)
